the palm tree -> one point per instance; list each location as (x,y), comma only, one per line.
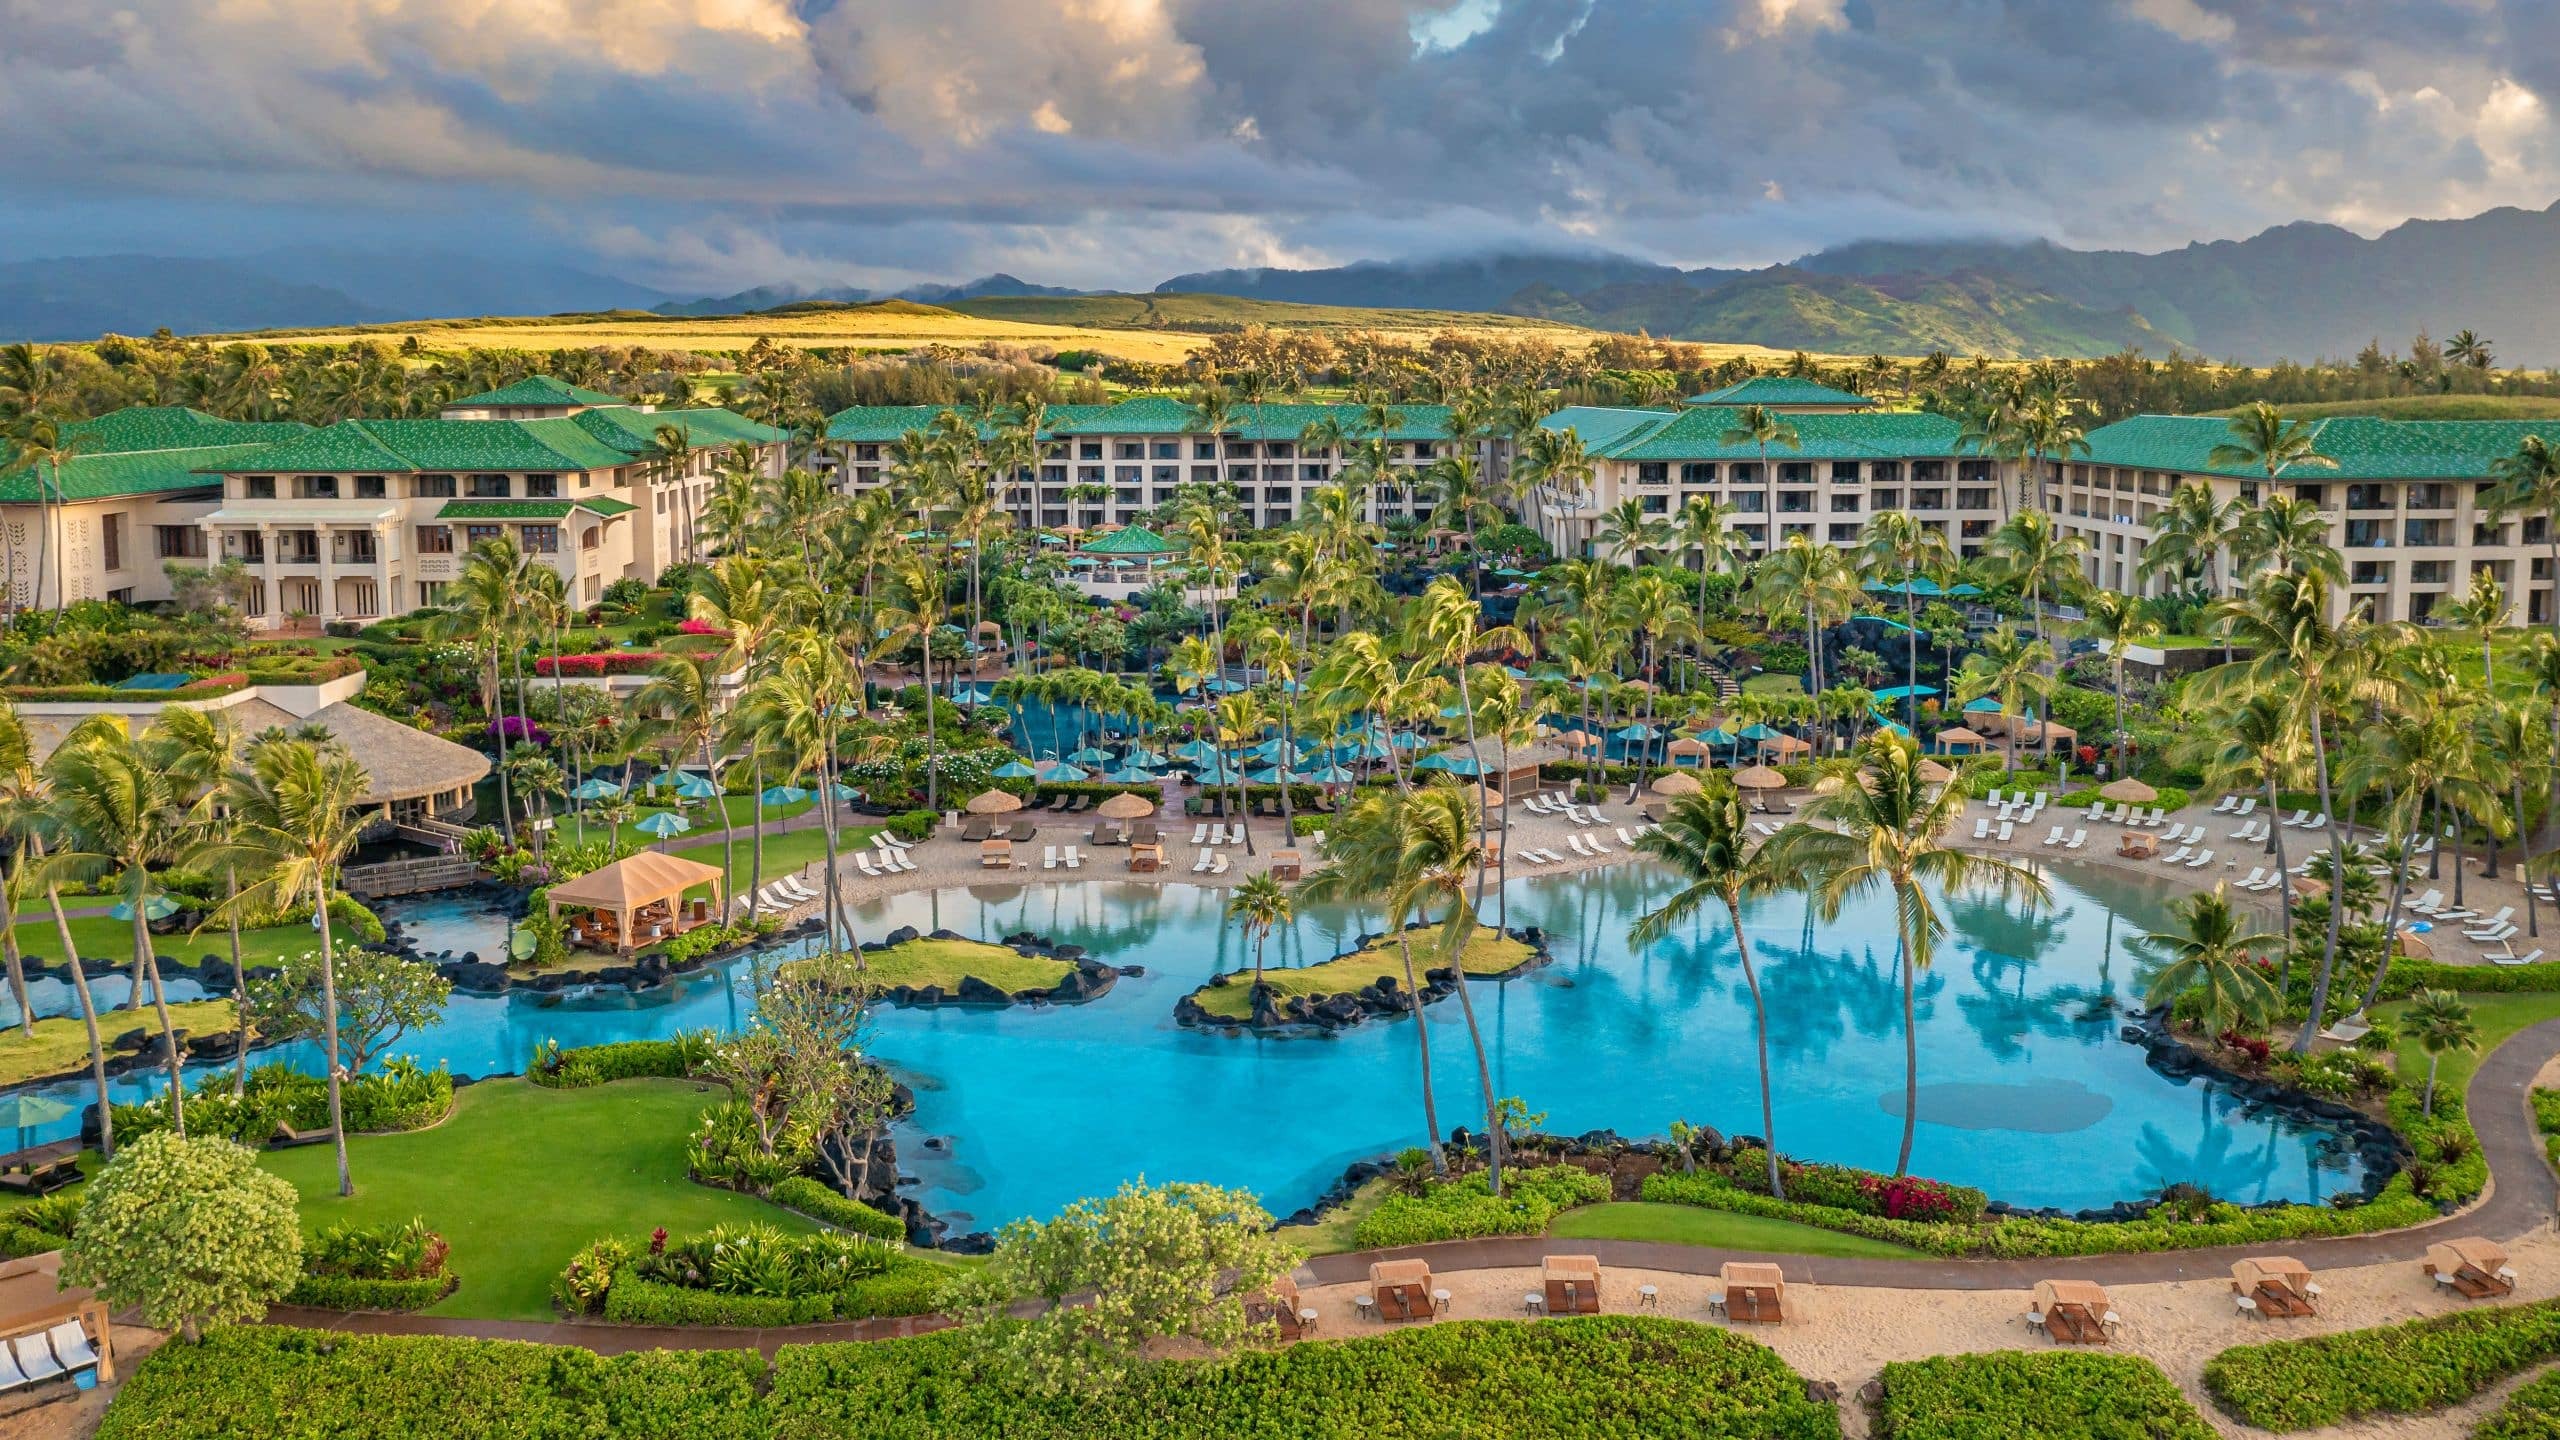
(1703,527)
(2465,347)
(294,817)
(2528,482)
(1705,841)
(1363,853)
(1897,548)
(1888,832)
(2263,440)
(2121,622)
(1760,427)
(38,445)
(2211,949)
(1463,502)
(2012,667)
(922,608)
(1628,531)
(2483,608)
(1259,906)
(27,816)
(2441,1022)
(2285,533)
(2191,534)
(668,457)
(1442,853)
(1443,632)
(680,705)
(1554,463)
(1811,579)
(2038,556)
(481,612)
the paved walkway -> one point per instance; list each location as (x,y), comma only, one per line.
(2521,1198)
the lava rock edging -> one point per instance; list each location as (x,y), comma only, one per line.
(1341,1010)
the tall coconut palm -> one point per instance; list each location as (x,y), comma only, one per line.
(1363,854)
(482,612)
(1629,531)
(27,817)
(1259,906)
(2211,949)
(1810,580)
(1896,549)
(1443,854)
(2191,535)
(2528,483)
(2012,668)
(669,461)
(39,445)
(923,607)
(2263,440)
(680,708)
(1442,631)
(1706,842)
(121,812)
(1761,427)
(2284,533)
(2120,621)
(1461,501)
(2038,556)
(294,817)
(1555,464)
(2441,1022)
(1703,527)
(203,746)
(1888,832)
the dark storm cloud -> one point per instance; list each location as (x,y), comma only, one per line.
(699,143)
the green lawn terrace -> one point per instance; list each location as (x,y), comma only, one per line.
(1329,992)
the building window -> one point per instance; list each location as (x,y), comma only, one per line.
(542,487)
(1697,472)
(432,487)
(591,537)
(178,542)
(435,539)
(315,487)
(542,539)
(430,592)
(474,534)
(489,487)
(371,487)
(259,487)
(111,539)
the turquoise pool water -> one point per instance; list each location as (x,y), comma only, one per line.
(2027,1090)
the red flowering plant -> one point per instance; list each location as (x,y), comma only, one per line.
(1909,1197)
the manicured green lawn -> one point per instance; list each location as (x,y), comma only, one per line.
(103,937)
(1331,1234)
(521,1177)
(1489,952)
(946,963)
(2498,1017)
(1690,1225)
(61,1045)
(1773,685)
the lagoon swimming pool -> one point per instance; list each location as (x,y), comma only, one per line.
(2026,1089)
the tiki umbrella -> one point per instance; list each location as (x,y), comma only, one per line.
(1759,777)
(2128,791)
(994,802)
(1678,782)
(1125,807)
(1933,773)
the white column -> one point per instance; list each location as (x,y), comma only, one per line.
(327,609)
(267,573)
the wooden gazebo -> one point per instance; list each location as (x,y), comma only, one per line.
(639,894)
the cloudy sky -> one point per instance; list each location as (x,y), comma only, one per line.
(705,145)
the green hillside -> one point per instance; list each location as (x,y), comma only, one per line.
(2432,407)
(1797,310)
(1224,312)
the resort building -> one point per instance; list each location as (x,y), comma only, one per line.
(1110,464)
(369,518)
(1851,460)
(2405,502)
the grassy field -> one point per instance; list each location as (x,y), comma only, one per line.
(2498,1017)
(521,1177)
(946,963)
(60,1045)
(1489,952)
(1690,1225)
(2431,407)
(1137,327)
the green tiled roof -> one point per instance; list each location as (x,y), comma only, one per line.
(506,509)
(1600,426)
(1871,435)
(608,508)
(1780,390)
(1144,415)
(540,390)
(2364,448)
(632,431)
(173,427)
(408,446)
(137,472)
(1131,540)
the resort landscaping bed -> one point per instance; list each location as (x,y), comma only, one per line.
(2033,1395)
(946,968)
(59,1049)
(1465,1208)
(2532,1413)
(750,1276)
(2407,1369)
(1369,980)
(1564,1378)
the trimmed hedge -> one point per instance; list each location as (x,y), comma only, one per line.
(1583,1377)
(2407,1369)
(827,1207)
(2532,1413)
(634,1301)
(347,1292)
(260,1382)
(2034,1395)
(1591,1378)
(1464,1208)
(2021,1237)
(671,1059)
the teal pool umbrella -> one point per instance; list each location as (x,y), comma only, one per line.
(784,795)
(1059,772)
(1903,692)
(1407,740)
(1130,775)
(1509,573)
(1964,590)
(696,787)
(1454,763)
(1982,705)
(666,824)
(1273,776)
(1367,747)
(1327,775)
(1758,732)
(1885,724)
(1198,752)
(158,907)
(1221,685)
(1717,736)
(1091,755)
(596,788)
(23,1113)
(1220,772)
(1015,770)
(1453,712)
(1082,562)
(1637,731)
(843,792)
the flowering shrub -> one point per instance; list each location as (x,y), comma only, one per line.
(700,627)
(1909,1197)
(611,662)
(2250,1045)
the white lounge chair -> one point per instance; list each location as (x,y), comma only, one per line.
(1598,846)
(2176,833)
(2300,818)
(1200,833)
(1048,857)
(1220,865)
(2505,914)
(2007,829)
(1535,804)
(2203,858)
(2052,838)
(1626,839)
(1982,827)
(863,863)
(2097,811)
(893,842)
(71,1344)
(2426,904)
(11,1377)
(766,899)
(2274,879)
(2042,798)
(2493,935)
(2225,805)
(2179,857)
(906,861)
(35,1358)
(2256,874)
(1074,860)
(2078,839)
(2159,817)
(799,889)
(2511,958)
(1765,827)
(2246,806)
(1200,864)
(1993,799)
(1574,843)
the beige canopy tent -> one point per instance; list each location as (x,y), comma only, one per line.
(1676,783)
(994,802)
(1688,747)
(1578,740)
(1933,773)
(2471,1267)
(1572,1283)
(2276,1286)
(1785,745)
(637,883)
(1126,807)
(1955,735)
(33,1299)
(2128,791)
